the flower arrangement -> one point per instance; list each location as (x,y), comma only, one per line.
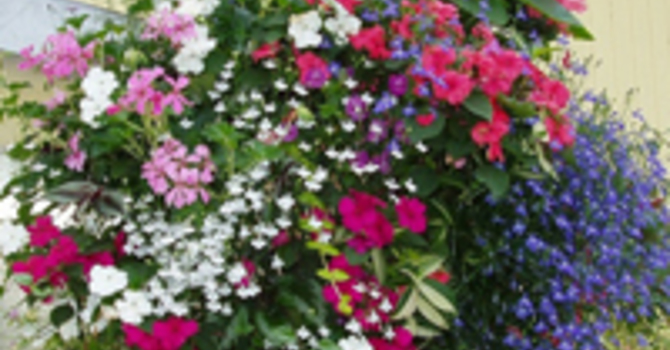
(292,174)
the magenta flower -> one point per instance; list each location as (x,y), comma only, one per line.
(360,215)
(43,231)
(411,214)
(61,57)
(170,334)
(398,84)
(356,108)
(141,94)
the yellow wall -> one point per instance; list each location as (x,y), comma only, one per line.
(633,45)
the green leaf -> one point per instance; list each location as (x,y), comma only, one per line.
(311,200)
(479,104)
(427,264)
(435,298)
(223,133)
(138,272)
(407,305)
(70,192)
(238,327)
(419,133)
(278,335)
(323,248)
(354,258)
(379,264)
(495,179)
(333,275)
(23,279)
(556,11)
(431,313)
(327,344)
(458,149)
(140,6)
(517,108)
(497,13)
(61,314)
(426,180)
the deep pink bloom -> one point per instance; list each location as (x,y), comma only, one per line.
(90,260)
(437,60)
(411,214)
(64,252)
(43,231)
(281,239)
(491,134)
(141,95)
(373,41)
(173,333)
(454,87)
(355,209)
(314,72)
(135,336)
(267,50)
(403,340)
(120,242)
(574,5)
(36,266)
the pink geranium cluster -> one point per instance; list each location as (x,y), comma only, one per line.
(76,158)
(169,334)
(61,57)
(553,96)
(363,297)
(168,24)
(62,251)
(144,98)
(179,176)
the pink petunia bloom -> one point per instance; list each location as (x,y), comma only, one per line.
(36,266)
(355,208)
(490,134)
(314,72)
(173,333)
(267,50)
(436,60)
(119,243)
(135,336)
(64,252)
(551,94)
(90,260)
(76,160)
(175,98)
(43,231)
(373,41)
(412,214)
(561,132)
(57,100)
(454,87)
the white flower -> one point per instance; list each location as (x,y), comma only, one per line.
(343,25)
(421,147)
(236,274)
(107,280)
(280,85)
(69,330)
(355,343)
(133,307)
(190,58)
(196,8)
(304,29)
(353,326)
(99,83)
(12,239)
(409,184)
(277,263)
(286,202)
(91,108)
(303,333)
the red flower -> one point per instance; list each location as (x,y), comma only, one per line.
(411,214)
(267,50)
(170,334)
(440,276)
(491,133)
(373,41)
(425,119)
(43,232)
(436,59)
(403,27)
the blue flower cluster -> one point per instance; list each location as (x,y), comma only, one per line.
(558,262)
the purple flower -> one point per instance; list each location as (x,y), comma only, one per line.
(398,84)
(383,161)
(385,103)
(292,134)
(356,108)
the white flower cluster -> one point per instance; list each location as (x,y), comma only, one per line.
(191,56)
(305,28)
(304,339)
(98,85)
(197,8)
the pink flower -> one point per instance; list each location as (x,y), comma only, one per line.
(169,334)
(561,132)
(61,57)
(497,68)
(43,231)
(90,260)
(360,215)
(411,214)
(437,60)
(57,100)
(36,266)
(574,5)
(454,87)
(178,175)
(119,243)
(76,160)
(141,95)
(170,25)
(425,119)
(281,239)
(373,41)
(64,252)
(314,72)
(551,94)
(491,133)
(175,98)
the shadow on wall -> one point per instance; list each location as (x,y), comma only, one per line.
(10,130)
